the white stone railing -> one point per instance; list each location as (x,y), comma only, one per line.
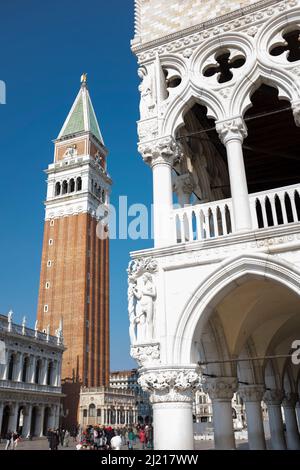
(203,221)
(215,219)
(28,387)
(275,207)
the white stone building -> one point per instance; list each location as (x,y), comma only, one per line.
(30,372)
(216,302)
(128,380)
(107,406)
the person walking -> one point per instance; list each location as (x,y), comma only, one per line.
(131,438)
(66,439)
(8,438)
(142,438)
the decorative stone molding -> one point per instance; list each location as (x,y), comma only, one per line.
(148,129)
(252,393)
(163,151)
(232,129)
(170,385)
(139,266)
(290,400)
(273,397)
(220,388)
(146,355)
(296,110)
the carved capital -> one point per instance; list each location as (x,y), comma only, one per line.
(252,393)
(232,129)
(146,355)
(290,400)
(296,112)
(170,385)
(220,388)
(161,151)
(273,397)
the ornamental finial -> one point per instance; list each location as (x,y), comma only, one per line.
(83,79)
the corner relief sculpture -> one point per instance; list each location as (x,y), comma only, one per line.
(141,300)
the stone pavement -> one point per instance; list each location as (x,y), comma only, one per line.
(42,444)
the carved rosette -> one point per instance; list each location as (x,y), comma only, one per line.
(162,151)
(273,397)
(146,355)
(252,393)
(232,129)
(220,388)
(170,385)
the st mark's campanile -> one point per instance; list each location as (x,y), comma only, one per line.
(74,280)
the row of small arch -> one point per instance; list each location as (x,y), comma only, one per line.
(285,210)
(68,186)
(25,369)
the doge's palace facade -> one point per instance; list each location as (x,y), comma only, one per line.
(216,301)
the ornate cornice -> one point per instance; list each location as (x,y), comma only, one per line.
(243,18)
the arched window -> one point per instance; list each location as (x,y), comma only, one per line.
(25,369)
(11,367)
(38,367)
(57,189)
(49,373)
(84,413)
(92,410)
(72,186)
(64,187)
(78,184)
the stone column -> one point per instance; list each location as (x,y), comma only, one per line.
(221,390)
(232,133)
(27,421)
(161,156)
(57,415)
(1,414)
(40,420)
(44,370)
(172,397)
(252,396)
(273,399)
(13,417)
(289,408)
(6,365)
(18,367)
(298,414)
(31,373)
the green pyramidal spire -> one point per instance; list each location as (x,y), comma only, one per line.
(82,117)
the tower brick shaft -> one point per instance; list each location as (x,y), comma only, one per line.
(74,280)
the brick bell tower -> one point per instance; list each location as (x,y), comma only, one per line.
(74,281)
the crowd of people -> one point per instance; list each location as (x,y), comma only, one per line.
(12,439)
(108,438)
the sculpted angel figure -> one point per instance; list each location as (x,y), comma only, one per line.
(145,308)
(147,102)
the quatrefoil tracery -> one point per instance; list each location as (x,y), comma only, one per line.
(223,63)
(286,45)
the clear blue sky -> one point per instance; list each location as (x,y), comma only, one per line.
(45,46)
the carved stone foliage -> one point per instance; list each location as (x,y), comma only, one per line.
(170,385)
(220,388)
(164,150)
(141,300)
(273,397)
(146,355)
(252,393)
(232,129)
